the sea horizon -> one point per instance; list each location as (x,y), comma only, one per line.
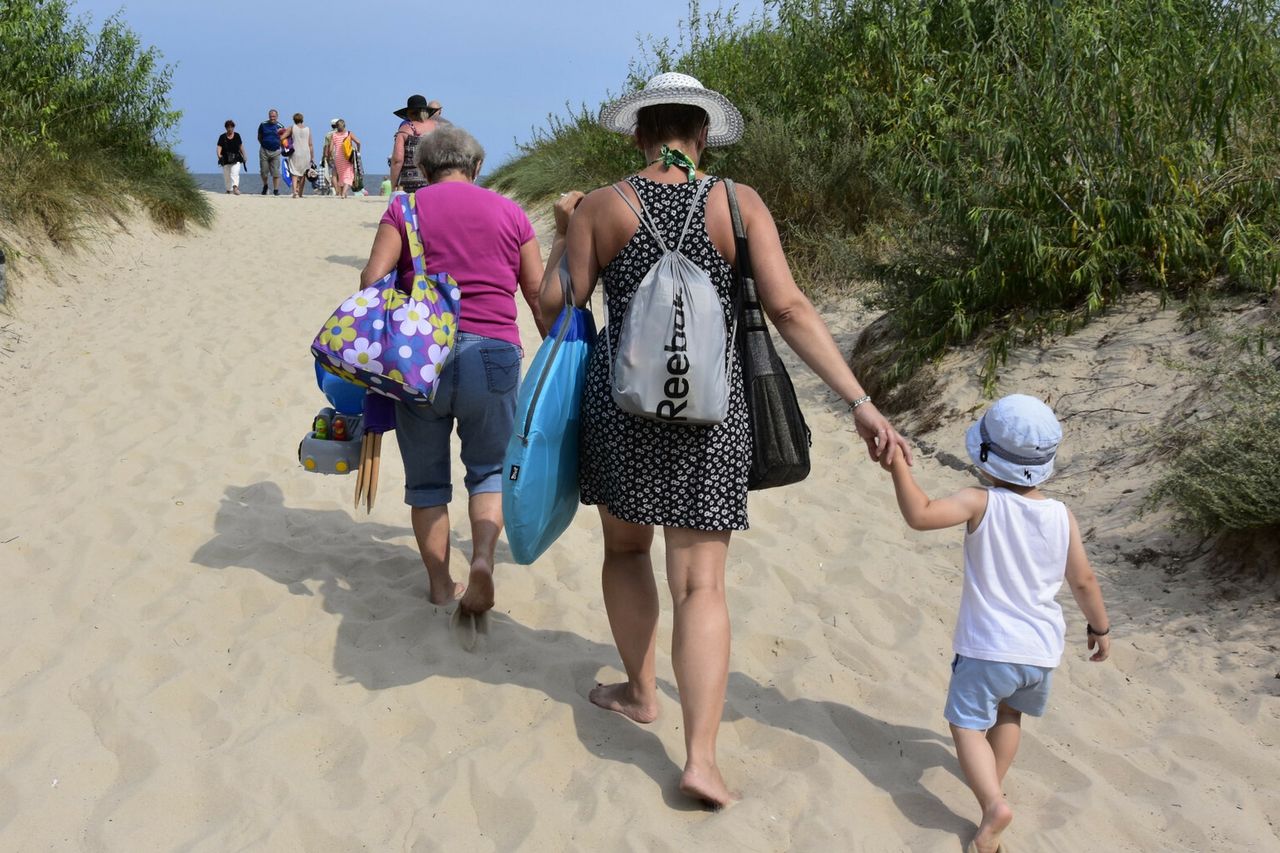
(251,183)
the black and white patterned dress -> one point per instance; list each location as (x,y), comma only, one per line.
(646,471)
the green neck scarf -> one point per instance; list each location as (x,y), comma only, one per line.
(675,157)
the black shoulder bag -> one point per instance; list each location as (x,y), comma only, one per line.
(780,438)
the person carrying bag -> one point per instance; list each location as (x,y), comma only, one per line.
(489,247)
(540,475)
(392,342)
(689,479)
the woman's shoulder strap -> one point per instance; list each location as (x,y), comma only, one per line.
(642,213)
(735,213)
(699,200)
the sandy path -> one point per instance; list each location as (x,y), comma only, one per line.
(208,650)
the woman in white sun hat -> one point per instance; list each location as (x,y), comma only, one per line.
(690,480)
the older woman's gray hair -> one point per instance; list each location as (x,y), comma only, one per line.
(446,149)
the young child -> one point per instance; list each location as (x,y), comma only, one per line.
(1018,546)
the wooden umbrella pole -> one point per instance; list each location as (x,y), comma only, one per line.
(362,473)
(374,468)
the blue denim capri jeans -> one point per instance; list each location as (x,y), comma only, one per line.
(478,391)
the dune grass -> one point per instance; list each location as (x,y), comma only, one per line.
(85,127)
(1222,475)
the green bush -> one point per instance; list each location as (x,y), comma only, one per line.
(1224,475)
(1002,167)
(85,124)
(1056,155)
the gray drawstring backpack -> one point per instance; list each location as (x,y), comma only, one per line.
(672,363)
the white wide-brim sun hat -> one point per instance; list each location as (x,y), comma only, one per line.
(1015,441)
(673,88)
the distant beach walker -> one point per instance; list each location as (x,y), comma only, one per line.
(269,151)
(344,146)
(303,156)
(230,153)
(418,118)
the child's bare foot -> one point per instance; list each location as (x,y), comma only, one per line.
(995,820)
(707,785)
(479,595)
(621,698)
(444,593)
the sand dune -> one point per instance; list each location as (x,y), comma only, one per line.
(208,650)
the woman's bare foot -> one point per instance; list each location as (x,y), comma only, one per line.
(621,698)
(444,593)
(479,595)
(995,820)
(707,785)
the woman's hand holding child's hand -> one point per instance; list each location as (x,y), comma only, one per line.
(884,443)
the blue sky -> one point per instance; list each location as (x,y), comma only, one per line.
(498,66)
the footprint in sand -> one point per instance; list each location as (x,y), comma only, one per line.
(469,628)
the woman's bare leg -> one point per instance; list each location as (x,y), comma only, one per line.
(431,529)
(485,510)
(700,652)
(631,600)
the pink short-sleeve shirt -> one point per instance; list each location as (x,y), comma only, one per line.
(474,235)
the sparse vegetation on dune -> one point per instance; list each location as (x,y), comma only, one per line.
(1222,474)
(84,125)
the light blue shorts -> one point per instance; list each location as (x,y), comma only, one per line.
(979,686)
(477,391)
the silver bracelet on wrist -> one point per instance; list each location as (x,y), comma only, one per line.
(854,404)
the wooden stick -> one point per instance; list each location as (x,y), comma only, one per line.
(359,478)
(374,468)
(362,473)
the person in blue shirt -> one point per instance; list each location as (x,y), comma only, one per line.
(269,151)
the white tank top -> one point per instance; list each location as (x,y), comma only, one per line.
(1014,564)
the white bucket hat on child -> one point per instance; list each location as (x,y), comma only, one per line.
(725,126)
(1015,441)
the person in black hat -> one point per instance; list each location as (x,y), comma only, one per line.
(420,118)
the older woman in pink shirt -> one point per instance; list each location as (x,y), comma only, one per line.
(485,241)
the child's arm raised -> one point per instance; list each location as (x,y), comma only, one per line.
(1084,586)
(964,507)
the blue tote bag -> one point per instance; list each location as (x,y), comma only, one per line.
(540,473)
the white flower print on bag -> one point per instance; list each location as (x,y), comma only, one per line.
(414,318)
(361,303)
(364,353)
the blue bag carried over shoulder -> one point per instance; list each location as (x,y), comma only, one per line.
(540,473)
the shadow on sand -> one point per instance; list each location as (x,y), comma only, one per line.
(348,261)
(390,636)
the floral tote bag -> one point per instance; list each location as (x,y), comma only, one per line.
(392,342)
